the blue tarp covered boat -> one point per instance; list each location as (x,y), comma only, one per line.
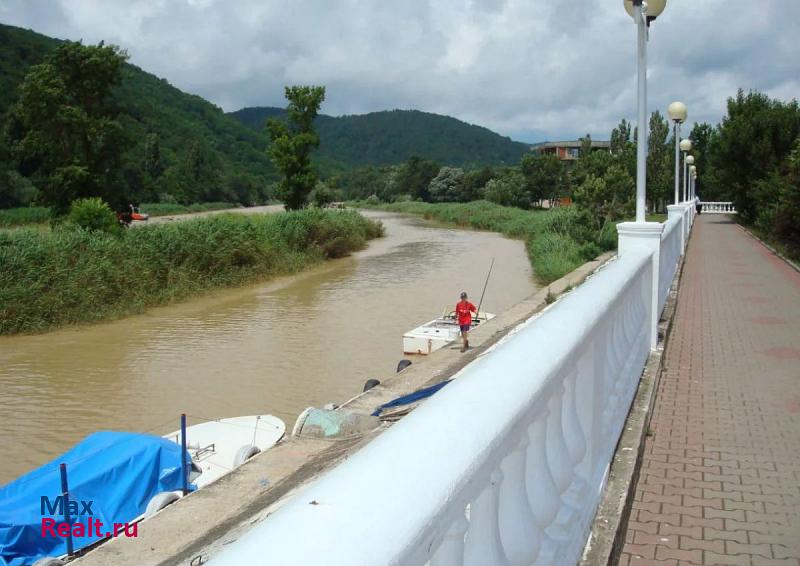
(112,477)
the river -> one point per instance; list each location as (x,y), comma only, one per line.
(275,347)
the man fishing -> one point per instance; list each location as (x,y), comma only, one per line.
(464,310)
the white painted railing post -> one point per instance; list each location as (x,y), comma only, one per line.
(451,551)
(638,237)
(482,545)
(673,211)
(519,532)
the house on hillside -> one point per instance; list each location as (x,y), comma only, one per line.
(568,150)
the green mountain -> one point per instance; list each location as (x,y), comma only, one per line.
(183,123)
(206,154)
(389,137)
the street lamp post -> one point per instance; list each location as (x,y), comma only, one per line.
(643,13)
(687,189)
(686,146)
(692,177)
(678,114)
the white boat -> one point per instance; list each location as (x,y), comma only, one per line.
(218,447)
(438,333)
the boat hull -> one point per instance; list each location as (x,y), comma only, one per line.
(436,334)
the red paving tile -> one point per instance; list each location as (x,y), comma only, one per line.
(720,481)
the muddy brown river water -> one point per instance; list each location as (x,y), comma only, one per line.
(275,347)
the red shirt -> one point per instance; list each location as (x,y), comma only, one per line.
(463,310)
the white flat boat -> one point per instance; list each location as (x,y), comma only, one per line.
(218,447)
(438,333)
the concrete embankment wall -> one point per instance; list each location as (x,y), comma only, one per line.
(195,528)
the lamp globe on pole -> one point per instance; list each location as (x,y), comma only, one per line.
(686,144)
(643,14)
(677,113)
(653,8)
(690,161)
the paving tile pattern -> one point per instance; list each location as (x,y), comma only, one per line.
(720,481)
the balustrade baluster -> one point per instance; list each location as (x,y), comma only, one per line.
(482,545)
(557,452)
(573,432)
(542,491)
(451,551)
(519,532)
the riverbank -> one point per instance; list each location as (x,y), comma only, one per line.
(557,240)
(26,215)
(67,275)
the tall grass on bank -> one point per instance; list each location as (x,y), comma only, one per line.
(69,275)
(11,217)
(558,240)
(165,208)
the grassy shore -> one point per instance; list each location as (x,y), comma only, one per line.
(12,217)
(557,240)
(70,275)
(166,209)
(22,216)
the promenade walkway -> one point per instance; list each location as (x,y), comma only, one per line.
(720,482)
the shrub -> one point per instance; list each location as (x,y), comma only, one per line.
(93,214)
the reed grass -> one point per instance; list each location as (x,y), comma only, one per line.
(557,240)
(70,275)
(165,208)
(11,217)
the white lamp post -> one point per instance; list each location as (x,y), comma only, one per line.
(687,189)
(642,13)
(678,114)
(686,146)
(692,177)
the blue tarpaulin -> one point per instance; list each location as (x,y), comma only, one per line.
(118,472)
(411,397)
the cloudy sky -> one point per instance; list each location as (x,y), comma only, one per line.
(529,69)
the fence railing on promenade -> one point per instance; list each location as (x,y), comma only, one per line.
(670,256)
(507,464)
(718,207)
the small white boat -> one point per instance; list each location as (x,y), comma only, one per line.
(218,447)
(438,333)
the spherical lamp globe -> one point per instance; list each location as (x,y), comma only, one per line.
(693,170)
(654,8)
(686,145)
(689,160)
(677,112)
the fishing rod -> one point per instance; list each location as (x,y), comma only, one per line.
(478,310)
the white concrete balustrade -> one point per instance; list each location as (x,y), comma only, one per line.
(718,207)
(506,465)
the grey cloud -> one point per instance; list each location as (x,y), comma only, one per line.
(533,69)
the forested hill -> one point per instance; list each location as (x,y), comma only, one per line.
(182,122)
(393,136)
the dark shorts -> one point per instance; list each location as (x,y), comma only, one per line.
(464,328)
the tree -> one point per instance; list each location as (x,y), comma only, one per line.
(753,140)
(292,143)
(475,182)
(543,176)
(660,162)
(448,185)
(606,197)
(64,126)
(414,177)
(508,189)
(703,137)
(621,137)
(586,145)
